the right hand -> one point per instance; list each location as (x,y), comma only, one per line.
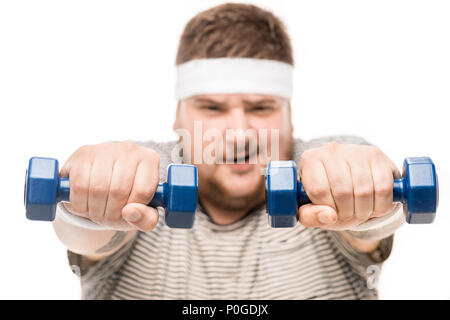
(112,183)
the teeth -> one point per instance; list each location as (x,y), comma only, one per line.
(241,158)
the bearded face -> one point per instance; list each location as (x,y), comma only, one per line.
(231,138)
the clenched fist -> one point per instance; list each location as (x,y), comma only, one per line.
(347,185)
(112,183)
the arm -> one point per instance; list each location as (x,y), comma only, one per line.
(374,236)
(361,249)
(110,184)
(361,245)
(348,186)
(95,245)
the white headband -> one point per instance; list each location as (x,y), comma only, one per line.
(233,75)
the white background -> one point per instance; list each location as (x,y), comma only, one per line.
(78,72)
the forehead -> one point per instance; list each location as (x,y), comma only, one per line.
(244,98)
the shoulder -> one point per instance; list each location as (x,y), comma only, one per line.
(350,139)
(301,146)
(162,148)
(168,152)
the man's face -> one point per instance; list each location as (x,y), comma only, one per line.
(230,138)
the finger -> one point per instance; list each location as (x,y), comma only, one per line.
(383,183)
(120,188)
(314,216)
(65,169)
(101,173)
(145,181)
(141,216)
(395,206)
(362,189)
(79,180)
(82,153)
(396,173)
(315,182)
(341,185)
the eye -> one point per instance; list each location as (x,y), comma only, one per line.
(211,108)
(261,108)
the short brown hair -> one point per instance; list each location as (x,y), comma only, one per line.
(235,30)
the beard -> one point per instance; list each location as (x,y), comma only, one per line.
(218,195)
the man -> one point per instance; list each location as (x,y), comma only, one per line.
(234,67)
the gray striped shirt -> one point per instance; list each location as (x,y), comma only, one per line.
(244,260)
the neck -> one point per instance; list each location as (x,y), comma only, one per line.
(223,216)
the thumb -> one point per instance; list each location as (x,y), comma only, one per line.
(314,216)
(141,216)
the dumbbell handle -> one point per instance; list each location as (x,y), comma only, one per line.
(399,194)
(159,199)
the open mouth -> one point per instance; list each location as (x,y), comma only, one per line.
(241,159)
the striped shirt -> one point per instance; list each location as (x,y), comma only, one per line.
(243,260)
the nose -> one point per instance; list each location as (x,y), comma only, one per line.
(237,136)
(237,119)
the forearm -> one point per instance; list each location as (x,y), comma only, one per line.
(361,245)
(93,244)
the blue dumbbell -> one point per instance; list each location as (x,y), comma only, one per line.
(44,189)
(418,190)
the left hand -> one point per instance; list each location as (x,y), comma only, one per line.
(347,184)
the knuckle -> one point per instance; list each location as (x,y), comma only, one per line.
(79,186)
(342,192)
(363,192)
(84,149)
(78,156)
(312,154)
(384,190)
(98,190)
(333,145)
(145,194)
(305,156)
(303,163)
(128,145)
(376,153)
(119,192)
(374,149)
(317,191)
(151,155)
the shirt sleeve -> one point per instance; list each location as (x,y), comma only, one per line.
(359,261)
(81,266)
(363,264)
(169,152)
(98,276)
